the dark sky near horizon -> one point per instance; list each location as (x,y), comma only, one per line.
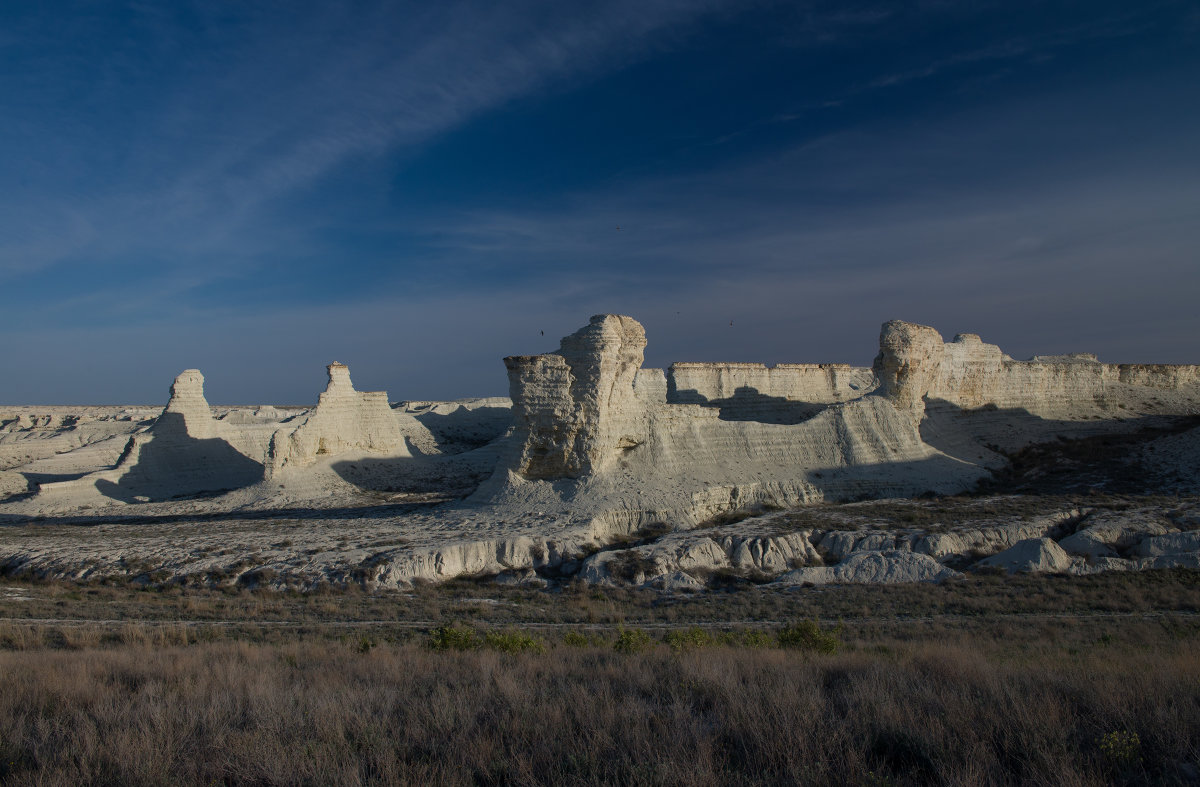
(417,190)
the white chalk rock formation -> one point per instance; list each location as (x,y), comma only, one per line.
(908,364)
(697,554)
(771,554)
(1089,544)
(1033,555)
(184,452)
(676,582)
(972,374)
(344,420)
(965,542)
(576,409)
(631,446)
(1177,560)
(1169,544)
(1082,566)
(187,402)
(887,567)
(1110,533)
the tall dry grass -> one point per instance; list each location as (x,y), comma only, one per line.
(322,712)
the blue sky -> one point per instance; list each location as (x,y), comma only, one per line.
(256,189)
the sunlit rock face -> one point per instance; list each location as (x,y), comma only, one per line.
(344,420)
(908,364)
(639,444)
(577,409)
(188,402)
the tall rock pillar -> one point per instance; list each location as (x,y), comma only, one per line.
(576,410)
(909,360)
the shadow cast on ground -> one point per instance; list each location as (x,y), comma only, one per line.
(173,464)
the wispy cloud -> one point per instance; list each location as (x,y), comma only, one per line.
(187,171)
(963,228)
(257,107)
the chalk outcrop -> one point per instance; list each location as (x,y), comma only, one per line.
(344,420)
(1033,555)
(873,568)
(187,403)
(1109,534)
(908,364)
(595,449)
(576,409)
(961,543)
(1169,544)
(967,373)
(188,451)
(184,452)
(690,442)
(686,443)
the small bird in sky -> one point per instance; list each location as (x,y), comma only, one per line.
(543,333)
(618,229)
(731,323)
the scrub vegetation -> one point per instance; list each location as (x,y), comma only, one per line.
(1085,680)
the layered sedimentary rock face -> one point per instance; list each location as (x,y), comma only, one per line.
(909,360)
(187,401)
(914,367)
(601,447)
(344,420)
(701,438)
(576,409)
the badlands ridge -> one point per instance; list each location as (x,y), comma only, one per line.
(599,469)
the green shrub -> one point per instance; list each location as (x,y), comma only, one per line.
(452,638)
(578,639)
(632,641)
(744,638)
(688,639)
(754,638)
(807,635)
(1120,748)
(513,642)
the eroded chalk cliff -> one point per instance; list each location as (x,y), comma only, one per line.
(636,444)
(576,410)
(344,420)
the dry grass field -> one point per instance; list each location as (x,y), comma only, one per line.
(1034,680)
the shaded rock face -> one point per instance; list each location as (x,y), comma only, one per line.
(874,568)
(908,364)
(1169,544)
(1033,555)
(172,460)
(184,452)
(576,410)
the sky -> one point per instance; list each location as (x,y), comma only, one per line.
(418,190)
